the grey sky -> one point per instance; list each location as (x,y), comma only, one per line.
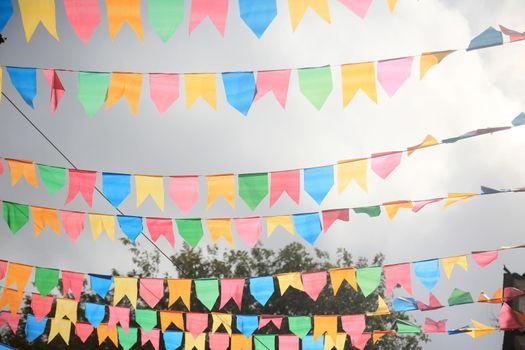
(465,92)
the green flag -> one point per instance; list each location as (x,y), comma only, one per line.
(253,188)
(264,342)
(316,84)
(54,178)
(207,291)
(165,16)
(127,340)
(300,325)
(368,279)
(15,215)
(407,327)
(45,280)
(372,211)
(146,319)
(459,296)
(190,230)
(92,90)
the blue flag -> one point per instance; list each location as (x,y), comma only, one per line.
(34,329)
(404,304)
(95,313)
(5,346)
(308,226)
(258,14)
(247,324)
(24,80)
(116,187)
(262,288)
(318,182)
(6,11)
(172,339)
(428,272)
(130,225)
(240,90)
(100,284)
(490,37)
(309,343)
(519,120)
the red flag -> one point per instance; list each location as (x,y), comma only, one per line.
(57,89)
(83,182)
(161,227)
(330,216)
(73,281)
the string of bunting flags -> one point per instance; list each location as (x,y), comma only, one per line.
(243,88)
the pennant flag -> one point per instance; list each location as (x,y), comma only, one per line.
(288,342)
(489,37)
(427,142)
(240,90)
(125,286)
(509,319)
(116,187)
(100,284)
(308,226)
(127,338)
(459,297)
(247,324)
(359,7)
(207,291)
(308,343)
(359,76)
(152,336)
(34,328)
(11,298)
(339,344)
(6,11)
(448,264)
(314,283)
(57,89)
(102,222)
(62,327)
(54,178)
(475,133)
(35,12)
(179,288)
(94,313)
(372,211)
(240,342)
(217,11)
(299,325)
(285,221)
(418,205)
(126,85)
(220,228)
(393,207)
(45,280)
(368,279)
(201,85)
(151,291)
(169,317)
(484,258)
(403,327)
(400,304)
(83,331)
(382,308)
(221,185)
(84,17)
(428,272)
(514,35)
(519,120)
(338,276)
(41,305)
(24,80)
(184,191)
(120,11)
(119,315)
(18,274)
(83,182)
(225,320)
(354,326)
(249,229)
(318,182)
(21,168)
(92,90)
(231,288)
(165,16)
(253,188)
(432,305)
(325,324)
(285,181)
(219,341)
(488,190)
(315,83)
(265,319)
(131,226)
(264,342)
(196,323)
(172,339)
(66,308)
(149,185)
(291,279)
(190,230)
(161,227)
(104,332)
(353,169)
(497,297)
(298,9)
(146,319)
(398,274)
(432,326)
(456,197)
(276,81)
(164,88)
(258,14)
(262,288)
(430,59)
(480,330)
(392,5)
(384,163)
(393,73)
(10,319)
(45,216)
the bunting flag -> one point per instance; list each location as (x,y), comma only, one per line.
(247,324)
(84,17)
(299,325)
(92,90)
(151,290)
(127,338)
(41,305)
(354,169)
(262,288)
(131,226)
(221,185)
(384,163)
(207,291)
(66,308)
(253,188)
(54,178)
(184,191)
(216,12)
(165,17)
(35,12)
(146,319)
(164,88)
(104,332)
(120,11)
(315,83)
(355,77)
(201,85)
(6,11)
(45,280)
(249,229)
(308,226)
(432,326)
(368,279)
(484,258)
(43,217)
(449,263)
(119,315)
(298,9)
(94,313)
(325,324)
(398,274)
(34,328)
(100,284)
(219,341)
(489,37)
(220,228)
(190,230)
(171,317)
(354,326)
(272,222)
(161,227)
(266,319)
(429,141)
(338,276)
(392,208)
(9,319)
(231,289)
(24,81)
(126,85)
(12,299)
(57,89)
(258,15)
(224,320)
(430,59)
(240,90)
(18,274)
(172,339)
(285,181)
(391,74)
(196,323)
(287,280)
(125,286)
(59,327)
(359,7)
(83,331)
(147,185)
(318,182)
(83,182)
(153,337)
(116,187)
(25,169)
(314,283)
(427,272)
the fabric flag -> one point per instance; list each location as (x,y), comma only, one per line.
(127,338)
(3,269)
(285,181)
(24,80)
(220,228)
(299,325)
(354,326)
(169,317)
(83,331)
(201,85)
(418,205)
(264,342)
(6,11)
(432,326)
(240,342)
(308,226)
(308,343)
(131,226)
(433,304)
(125,286)
(41,305)
(172,339)
(221,185)
(514,35)
(456,197)
(66,308)
(339,343)
(95,313)
(216,11)
(247,324)
(353,169)
(165,16)
(219,341)
(384,163)
(355,77)
(104,332)
(448,264)
(240,90)
(285,221)
(484,258)
(510,319)
(102,222)
(359,7)
(220,319)
(231,288)
(400,304)
(489,37)
(497,297)
(34,328)
(314,283)
(15,215)
(164,88)
(276,81)
(382,308)
(45,280)
(84,17)
(116,187)
(92,90)
(368,279)
(403,327)
(249,229)
(100,284)
(427,142)
(179,288)
(151,290)
(161,227)
(393,73)
(315,83)
(74,282)
(54,178)
(207,291)
(430,59)
(291,279)
(35,12)
(298,9)
(190,230)
(266,319)
(22,168)
(18,274)
(262,288)
(258,14)
(57,89)
(196,323)
(149,185)
(83,182)
(119,315)
(153,337)
(120,11)
(184,191)
(325,324)
(393,207)
(45,216)
(12,299)
(59,327)
(126,85)
(146,319)
(458,297)
(7,318)
(398,274)
(480,330)
(253,188)
(318,182)
(428,272)
(338,276)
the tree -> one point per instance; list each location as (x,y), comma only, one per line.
(259,261)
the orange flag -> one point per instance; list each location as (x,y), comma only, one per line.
(179,288)
(430,59)
(120,11)
(393,207)
(325,324)
(427,142)
(359,76)
(22,168)
(126,85)
(19,275)
(12,298)
(221,185)
(220,228)
(45,216)
(169,317)
(337,276)
(103,332)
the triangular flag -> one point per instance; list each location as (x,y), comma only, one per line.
(41,305)
(221,185)
(355,77)
(151,290)
(10,319)
(359,7)
(201,85)
(418,205)
(84,17)
(126,85)
(34,328)
(179,288)
(83,182)
(325,324)
(207,291)
(276,81)
(427,142)
(427,272)
(190,230)
(54,178)
(92,90)
(104,332)
(314,283)
(299,325)
(100,284)
(153,337)
(430,59)
(497,297)
(219,341)
(514,35)
(131,226)
(196,323)
(432,326)
(120,11)
(225,320)
(510,319)
(318,182)
(165,16)
(285,181)
(125,286)
(16,215)
(35,12)
(368,279)
(456,197)
(338,276)
(172,339)
(249,229)
(432,305)
(458,297)
(448,264)
(480,330)
(216,11)
(315,83)
(66,308)
(6,11)
(398,274)
(266,319)
(57,89)
(308,226)
(403,327)
(161,227)
(45,216)
(240,342)
(45,280)
(258,14)
(285,221)
(102,222)
(291,279)
(253,188)
(12,298)
(247,324)
(401,304)
(262,288)
(484,258)
(382,308)
(83,331)
(127,338)
(489,37)
(392,73)
(163,88)
(169,317)
(22,168)
(220,228)
(18,274)
(116,187)
(384,163)
(392,5)
(148,185)
(353,169)
(393,207)
(62,327)
(119,315)
(24,80)
(231,288)
(240,90)
(184,191)
(354,326)
(298,9)
(95,313)
(146,319)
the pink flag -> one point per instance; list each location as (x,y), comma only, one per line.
(161,227)
(265,319)
(484,258)
(83,182)
(398,274)
(508,318)
(276,81)
(152,336)
(196,323)
(57,89)
(359,7)
(514,35)
(40,305)
(285,181)
(164,90)
(384,163)
(219,341)
(330,216)
(313,283)
(391,74)
(120,315)
(151,290)
(9,319)
(3,268)
(231,288)
(433,304)
(73,281)
(249,229)
(216,10)
(84,17)
(432,326)
(361,342)
(418,205)
(1,166)
(83,330)
(354,326)
(288,342)
(73,223)
(184,191)
(510,293)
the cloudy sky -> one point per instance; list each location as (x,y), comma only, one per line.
(467,91)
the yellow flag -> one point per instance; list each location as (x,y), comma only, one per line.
(339,343)
(292,279)
(197,343)
(430,59)
(337,276)
(221,185)
(272,222)
(382,308)
(22,168)
(101,222)
(179,288)
(240,342)
(325,324)
(45,216)
(480,330)
(18,274)
(456,197)
(103,332)
(298,9)
(220,228)
(358,76)
(353,169)
(36,11)
(201,85)
(125,286)
(392,5)
(150,185)
(448,264)
(427,142)
(66,308)
(59,326)
(221,319)
(169,317)
(126,85)
(120,11)
(393,207)
(12,298)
